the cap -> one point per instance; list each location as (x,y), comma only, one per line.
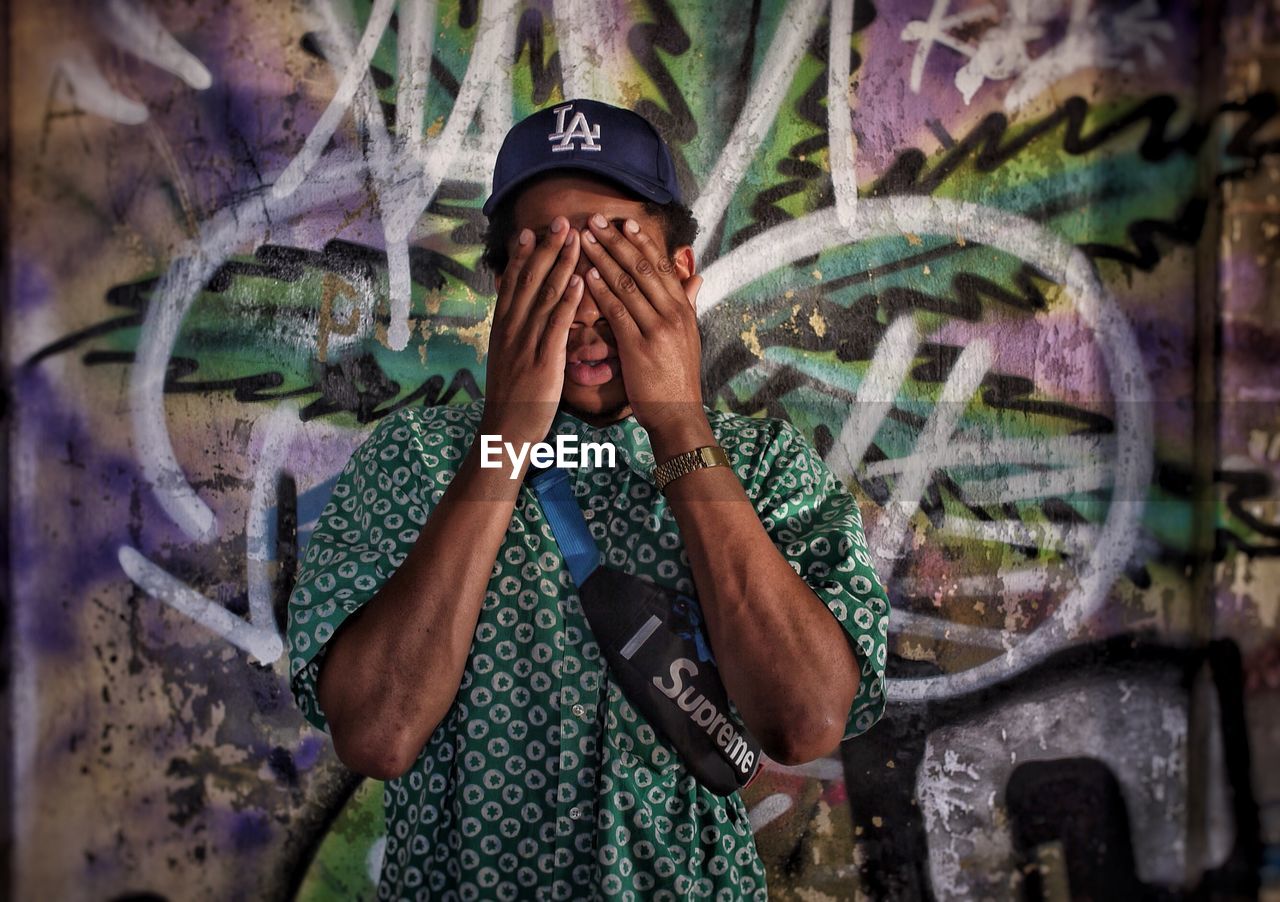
(587,135)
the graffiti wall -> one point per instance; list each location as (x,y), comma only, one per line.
(1010,264)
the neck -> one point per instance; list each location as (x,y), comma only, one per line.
(602,418)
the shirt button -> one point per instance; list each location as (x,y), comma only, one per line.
(575,813)
(578,710)
(588,514)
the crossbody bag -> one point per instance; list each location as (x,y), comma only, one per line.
(653,640)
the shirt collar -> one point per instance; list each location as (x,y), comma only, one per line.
(627,435)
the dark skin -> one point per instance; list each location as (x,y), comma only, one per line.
(590,277)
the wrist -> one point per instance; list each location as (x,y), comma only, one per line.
(680,434)
(701,458)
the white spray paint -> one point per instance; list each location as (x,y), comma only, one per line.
(1101,39)
(261,640)
(769,809)
(758,112)
(936,29)
(356,71)
(414,47)
(90,90)
(587,42)
(273,433)
(405,182)
(1059,261)
(842,144)
(888,370)
(132,26)
(961,385)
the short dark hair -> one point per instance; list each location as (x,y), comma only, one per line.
(679,226)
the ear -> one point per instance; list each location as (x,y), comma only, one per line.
(686,270)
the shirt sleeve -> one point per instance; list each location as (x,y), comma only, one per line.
(379,505)
(814,521)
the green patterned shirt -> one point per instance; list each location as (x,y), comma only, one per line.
(542,781)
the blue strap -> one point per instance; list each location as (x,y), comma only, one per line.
(580,551)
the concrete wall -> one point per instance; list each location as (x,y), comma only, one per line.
(1010,264)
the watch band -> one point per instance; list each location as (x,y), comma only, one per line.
(697,459)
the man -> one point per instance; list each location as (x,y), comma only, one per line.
(434,629)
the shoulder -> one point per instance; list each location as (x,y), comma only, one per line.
(768,437)
(464,416)
(451,423)
(439,435)
(760,447)
(746,432)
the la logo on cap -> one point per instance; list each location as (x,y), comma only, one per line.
(579,129)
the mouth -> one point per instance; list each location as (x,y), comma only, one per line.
(593,372)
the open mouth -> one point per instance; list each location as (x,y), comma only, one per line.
(593,372)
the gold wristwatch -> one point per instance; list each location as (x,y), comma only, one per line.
(697,459)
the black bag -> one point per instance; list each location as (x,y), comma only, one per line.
(653,640)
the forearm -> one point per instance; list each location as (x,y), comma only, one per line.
(393,669)
(783,657)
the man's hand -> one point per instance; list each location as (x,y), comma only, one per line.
(650,310)
(538,294)
(762,618)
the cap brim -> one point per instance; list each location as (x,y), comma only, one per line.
(649,190)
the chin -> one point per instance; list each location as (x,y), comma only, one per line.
(597,400)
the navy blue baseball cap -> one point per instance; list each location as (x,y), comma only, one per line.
(591,136)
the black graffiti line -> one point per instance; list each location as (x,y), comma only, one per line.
(676,122)
(545,76)
(986,143)
(468,232)
(67,342)
(785,379)
(1246,487)
(350,261)
(742,80)
(862,331)
(245,388)
(429,393)
(1184,230)
(969,288)
(249,389)
(764,209)
(1260,108)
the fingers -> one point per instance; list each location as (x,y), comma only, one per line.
(507,285)
(624,326)
(555,284)
(606,249)
(530,278)
(555,337)
(652,255)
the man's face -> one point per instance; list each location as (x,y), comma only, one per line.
(593,387)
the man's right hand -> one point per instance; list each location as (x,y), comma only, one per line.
(538,295)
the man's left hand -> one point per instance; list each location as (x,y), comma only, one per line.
(650,309)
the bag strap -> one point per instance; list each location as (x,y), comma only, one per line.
(581,554)
(722,770)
